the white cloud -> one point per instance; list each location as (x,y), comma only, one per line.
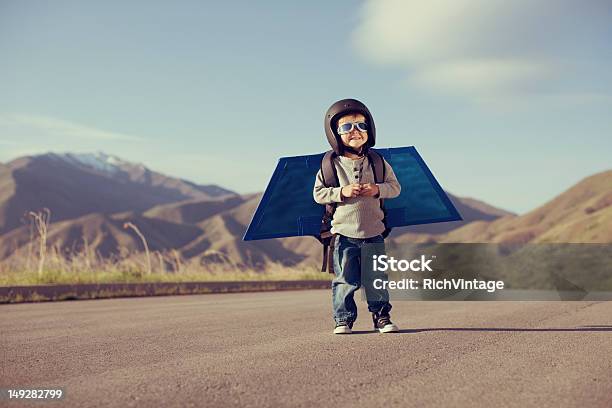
(489,48)
(396,31)
(14,125)
(482,76)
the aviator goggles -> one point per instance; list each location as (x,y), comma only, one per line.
(348,127)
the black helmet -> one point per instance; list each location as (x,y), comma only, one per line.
(341,108)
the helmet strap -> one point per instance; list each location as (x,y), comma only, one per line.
(351,149)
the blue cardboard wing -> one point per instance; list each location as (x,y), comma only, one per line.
(288,209)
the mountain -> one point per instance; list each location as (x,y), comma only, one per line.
(583,213)
(72,185)
(470,209)
(104,235)
(193,211)
(223,232)
(481,207)
(92,196)
(203,229)
(213,234)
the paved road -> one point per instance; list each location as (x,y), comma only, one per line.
(276,349)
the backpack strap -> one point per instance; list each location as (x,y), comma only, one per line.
(378,165)
(328,254)
(328,170)
(379,169)
(330,179)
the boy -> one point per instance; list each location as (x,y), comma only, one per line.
(358,218)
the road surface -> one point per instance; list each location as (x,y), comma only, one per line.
(276,349)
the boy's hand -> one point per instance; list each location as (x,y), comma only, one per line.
(369,190)
(350,190)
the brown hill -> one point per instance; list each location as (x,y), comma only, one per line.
(481,207)
(471,210)
(222,239)
(71,188)
(217,237)
(93,202)
(104,235)
(206,229)
(583,213)
(193,211)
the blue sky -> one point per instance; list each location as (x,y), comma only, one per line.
(507,103)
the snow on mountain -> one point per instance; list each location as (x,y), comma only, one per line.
(98,161)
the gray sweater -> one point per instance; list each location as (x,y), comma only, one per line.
(356,217)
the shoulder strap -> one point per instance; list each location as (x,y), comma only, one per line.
(328,170)
(379,169)
(330,179)
(378,165)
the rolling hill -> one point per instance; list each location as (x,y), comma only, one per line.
(74,185)
(91,197)
(583,213)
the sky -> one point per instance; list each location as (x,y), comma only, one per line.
(507,102)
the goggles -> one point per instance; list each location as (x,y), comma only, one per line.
(348,127)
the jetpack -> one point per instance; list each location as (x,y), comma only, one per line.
(287,207)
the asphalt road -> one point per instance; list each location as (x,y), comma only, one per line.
(276,349)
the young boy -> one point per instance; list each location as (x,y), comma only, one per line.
(358,218)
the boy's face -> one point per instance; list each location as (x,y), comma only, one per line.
(354,138)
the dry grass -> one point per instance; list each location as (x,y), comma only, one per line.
(85,268)
(41,221)
(58,270)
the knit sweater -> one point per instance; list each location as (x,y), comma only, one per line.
(356,217)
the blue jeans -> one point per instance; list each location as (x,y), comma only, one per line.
(347,267)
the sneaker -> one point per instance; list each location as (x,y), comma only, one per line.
(383,323)
(343,328)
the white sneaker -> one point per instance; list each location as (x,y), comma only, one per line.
(389,328)
(383,323)
(342,329)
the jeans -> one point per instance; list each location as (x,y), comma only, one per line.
(347,267)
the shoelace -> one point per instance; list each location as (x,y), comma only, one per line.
(384,320)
